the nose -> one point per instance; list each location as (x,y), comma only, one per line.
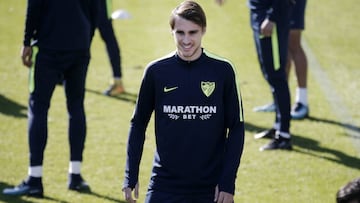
(186,39)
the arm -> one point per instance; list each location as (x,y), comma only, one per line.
(223,197)
(139,122)
(273,13)
(235,138)
(26,56)
(128,194)
(266,28)
(32,21)
(94,15)
(278,9)
(273,16)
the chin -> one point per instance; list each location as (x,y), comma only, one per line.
(188,54)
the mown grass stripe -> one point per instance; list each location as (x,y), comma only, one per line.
(338,106)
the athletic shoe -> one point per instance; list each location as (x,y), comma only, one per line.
(280,143)
(77,183)
(265,108)
(266,134)
(116,88)
(25,188)
(299,111)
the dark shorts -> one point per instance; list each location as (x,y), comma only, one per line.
(297,20)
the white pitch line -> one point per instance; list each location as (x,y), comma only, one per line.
(336,103)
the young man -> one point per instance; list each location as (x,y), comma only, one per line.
(63,31)
(270,24)
(199,126)
(107,34)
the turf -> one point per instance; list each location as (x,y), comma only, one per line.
(324,156)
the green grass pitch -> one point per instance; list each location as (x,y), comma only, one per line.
(326,151)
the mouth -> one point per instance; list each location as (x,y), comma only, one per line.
(187,47)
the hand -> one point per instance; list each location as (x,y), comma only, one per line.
(128,193)
(26,56)
(266,28)
(220,2)
(223,197)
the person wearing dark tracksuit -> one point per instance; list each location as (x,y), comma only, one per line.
(199,123)
(270,25)
(297,57)
(107,33)
(62,32)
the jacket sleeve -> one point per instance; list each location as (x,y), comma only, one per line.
(94,15)
(235,137)
(139,122)
(277,9)
(32,20)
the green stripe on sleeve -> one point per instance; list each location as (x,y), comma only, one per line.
(236,80)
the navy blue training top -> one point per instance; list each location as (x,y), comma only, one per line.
(61,24)
(199,125)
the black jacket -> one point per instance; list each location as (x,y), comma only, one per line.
(61,24)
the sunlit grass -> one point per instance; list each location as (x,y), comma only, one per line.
(323,158)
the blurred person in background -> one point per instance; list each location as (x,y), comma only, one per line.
(107,34)
(61,31)
(270,24)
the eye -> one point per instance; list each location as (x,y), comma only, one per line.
(179,32)
(193,32)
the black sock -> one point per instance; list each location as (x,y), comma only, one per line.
(34,181)
(75,177)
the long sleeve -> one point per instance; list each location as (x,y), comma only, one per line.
(61,25)
(139,122)
(94,15)
(32,21)
(274,9)
(276,12)
(199,128)
(235,138)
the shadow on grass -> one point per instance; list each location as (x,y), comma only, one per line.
(253,128)
(20,199)
(312,147)
(103,197)
(126,96)
(347,126)
(12,108)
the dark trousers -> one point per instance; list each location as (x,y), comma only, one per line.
(107,34)
(50,67)
(272,55)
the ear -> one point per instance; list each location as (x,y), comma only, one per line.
(203,30)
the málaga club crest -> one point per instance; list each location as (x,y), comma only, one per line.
(207,88)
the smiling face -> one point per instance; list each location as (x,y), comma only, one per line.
(187,36)
(188,26)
